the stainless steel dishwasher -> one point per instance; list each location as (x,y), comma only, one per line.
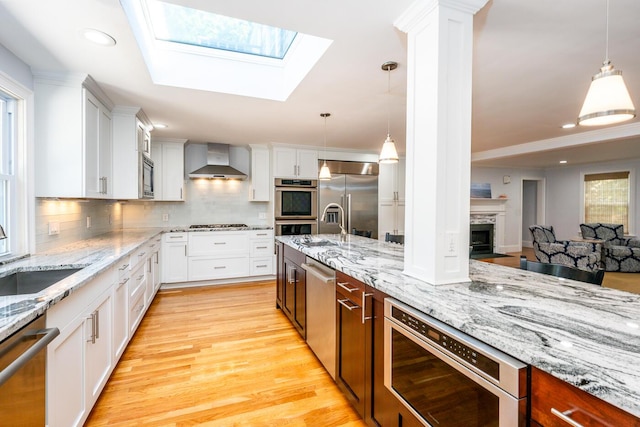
(22,375)
(321,313)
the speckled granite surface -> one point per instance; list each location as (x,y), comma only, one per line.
(93,256)
(584,334)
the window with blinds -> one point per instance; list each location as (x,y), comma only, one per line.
(606,198)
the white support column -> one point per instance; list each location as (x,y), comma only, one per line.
(439,61)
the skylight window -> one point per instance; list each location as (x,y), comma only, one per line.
(198,49)
(180,24)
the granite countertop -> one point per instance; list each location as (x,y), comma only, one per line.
(584,334)
(93,256)
(184,228)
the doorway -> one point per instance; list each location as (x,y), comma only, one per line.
(532,207)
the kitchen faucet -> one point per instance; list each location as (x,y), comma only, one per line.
(343,231)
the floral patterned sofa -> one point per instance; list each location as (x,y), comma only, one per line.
(620,253)
(583,255)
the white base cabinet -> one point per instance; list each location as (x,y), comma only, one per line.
(96,323)
(174,257)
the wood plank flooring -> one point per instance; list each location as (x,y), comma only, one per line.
(629,282)
(220,356)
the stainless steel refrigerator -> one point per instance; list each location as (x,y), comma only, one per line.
(354,186)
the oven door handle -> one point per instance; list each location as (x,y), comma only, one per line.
(24,358)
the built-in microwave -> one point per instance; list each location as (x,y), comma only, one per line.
(296,199)
(145,178)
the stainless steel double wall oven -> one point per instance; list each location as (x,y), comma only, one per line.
(296,206)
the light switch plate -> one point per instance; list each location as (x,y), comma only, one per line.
(262,215)
(165,217)
(451,243)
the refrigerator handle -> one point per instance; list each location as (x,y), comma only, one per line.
(348,213)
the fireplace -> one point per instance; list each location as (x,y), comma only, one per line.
(481,239)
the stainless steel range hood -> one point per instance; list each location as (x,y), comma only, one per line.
(217,164)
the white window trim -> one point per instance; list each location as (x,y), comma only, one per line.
(632,193)
(23,242)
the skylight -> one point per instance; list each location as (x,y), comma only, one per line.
(180,24)
(198,49)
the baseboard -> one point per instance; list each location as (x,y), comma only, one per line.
(527,244)
(507,249)
(199,283)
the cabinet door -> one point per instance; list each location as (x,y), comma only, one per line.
(175,268)
(92,117)
(104,153)
(98,350)
(261,185)
(308,164)
(281,276)
(120,322)
(66,397)
(386,218)
(285,163)
(289,288)
(156,270)
(300,311)
(172,172)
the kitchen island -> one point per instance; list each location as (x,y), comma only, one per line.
(583,334)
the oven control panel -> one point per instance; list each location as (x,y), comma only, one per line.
(448,343)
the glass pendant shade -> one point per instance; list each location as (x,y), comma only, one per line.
(388,154)
(607,100)
(325,173)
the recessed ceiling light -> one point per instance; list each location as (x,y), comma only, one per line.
(568,125)
(562,162)
(98,37)
(160,126)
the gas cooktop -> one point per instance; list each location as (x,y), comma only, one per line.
(218,226)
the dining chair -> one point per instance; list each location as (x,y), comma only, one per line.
(559,270)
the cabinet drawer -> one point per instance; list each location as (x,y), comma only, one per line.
(136,311)
(349,287)
(222,244)
(261,234)
(551,397)
(175,237)
(139,256)
(137,283)
(261,248)
(208,268)
(261,266)
(123,267)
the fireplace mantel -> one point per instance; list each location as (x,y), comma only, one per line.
(491,207)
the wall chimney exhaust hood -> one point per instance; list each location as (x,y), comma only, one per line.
(217,164)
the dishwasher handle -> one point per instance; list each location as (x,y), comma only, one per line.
(315,271)
(24,358)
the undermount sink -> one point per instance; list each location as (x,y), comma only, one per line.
(31,282)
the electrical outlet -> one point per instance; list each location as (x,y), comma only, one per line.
(54,228)
(165,217)
(262,215)
(451,243)
(88,222)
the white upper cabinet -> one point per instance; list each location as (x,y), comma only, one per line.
(261,185)
(295,163)
(73,137)
(131,139)
(168,169)
(391,198)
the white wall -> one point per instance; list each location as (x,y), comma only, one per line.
(565,192)
(513,191)
(13,67)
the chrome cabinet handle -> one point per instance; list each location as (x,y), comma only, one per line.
(343,286)
(566,417)
(261,247)
(219,243)
(124,267)
(92,338)
(219,267)
(123,282)
(24,358)
(352,306)
(364,304)
(97,324)
(141,254)
(261,266)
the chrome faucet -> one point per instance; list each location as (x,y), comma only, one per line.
(343,230)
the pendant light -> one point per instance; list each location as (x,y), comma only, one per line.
(608,99)
(325,173)
(388,154)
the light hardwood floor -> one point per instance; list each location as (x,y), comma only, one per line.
(220,356)
(629,282)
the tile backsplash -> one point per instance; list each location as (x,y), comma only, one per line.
(71,218)
(207,202)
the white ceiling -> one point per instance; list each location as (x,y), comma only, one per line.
(533,61)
